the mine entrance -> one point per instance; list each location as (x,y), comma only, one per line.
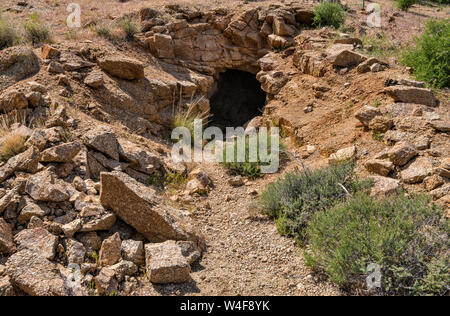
(237,97)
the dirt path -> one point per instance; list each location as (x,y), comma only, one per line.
(245,255)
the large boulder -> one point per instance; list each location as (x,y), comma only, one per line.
(104,140)
(36,275)
(38,240)
(384,186)
(139,207)
(61,153)
(12,100)
(346,57)
(133,250)
(309,62)
(16,63)
(27,162)
(417,171)
(110,252)
(122,67)
(378,166)
(343,154)
(272,81)
(408,94)
(366,114)
(165,263)
(401,153)
(138,158)
(42,186)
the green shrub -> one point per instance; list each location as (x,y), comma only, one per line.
(292,201)
(35,31)
(103,30)
(8,34)
(430,57)
(166,179)
(129,27)
(404,235)
(405,4)
(329,14)
(247,168)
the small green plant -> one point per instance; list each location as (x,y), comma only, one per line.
(103,30)
(377,135)
(250,168)
(129,27)
(328,14)
(8,34)
(430,57)
(404,5)
(405,235)
(94,256)
(166,179)
(293,200)
(376,103)
(35,31)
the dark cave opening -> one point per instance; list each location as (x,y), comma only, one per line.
(236,98)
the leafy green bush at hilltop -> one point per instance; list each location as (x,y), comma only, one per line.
(405,4)
(292,201)
(35,31)
(430,57)
(404,235)
(329,14)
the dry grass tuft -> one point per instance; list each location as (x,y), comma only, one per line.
(185,117)
(11,142)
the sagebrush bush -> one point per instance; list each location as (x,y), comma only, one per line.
(8,34)
(35,31)
(293,200)
(329,14)
(430,57)
(405,4)
(405,235)
(129,27)
(103,30)
(250,168)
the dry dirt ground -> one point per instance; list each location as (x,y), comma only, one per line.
(246,255)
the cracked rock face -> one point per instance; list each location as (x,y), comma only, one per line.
(139,207)
(35,275)
(16,63)
(166,263)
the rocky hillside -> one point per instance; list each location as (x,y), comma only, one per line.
(91,202)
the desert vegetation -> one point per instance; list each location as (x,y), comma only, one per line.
(329,14)
(430,56)
(35,31)
(404,235)
(93,202)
